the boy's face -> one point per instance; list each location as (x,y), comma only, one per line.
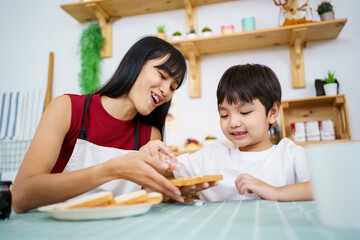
(246,125)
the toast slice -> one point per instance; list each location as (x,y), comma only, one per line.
(99,199)
(154,197)
(131,198)
(195,180)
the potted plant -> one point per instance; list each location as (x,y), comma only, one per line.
(176,36)
(91,43)
(206,32)
(161,32)
(330,87)
(325,11)
(192,33)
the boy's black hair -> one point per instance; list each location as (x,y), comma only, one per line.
(145,49)
(248,82)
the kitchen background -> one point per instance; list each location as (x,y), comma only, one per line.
(30,29)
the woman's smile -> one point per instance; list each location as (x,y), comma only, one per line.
(155,99)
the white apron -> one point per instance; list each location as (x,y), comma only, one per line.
(87,154)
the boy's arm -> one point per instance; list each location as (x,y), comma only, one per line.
(292,192)
(295,192)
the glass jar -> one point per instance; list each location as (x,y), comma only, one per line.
(5,199)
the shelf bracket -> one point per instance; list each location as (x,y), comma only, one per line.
(105,23)
(191,20)
(190,51)
(297,57)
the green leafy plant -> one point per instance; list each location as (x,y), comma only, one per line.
(330,77)
(324,7)
(177,34)
(206,29)
(192,31)
(161,29)
(91,43)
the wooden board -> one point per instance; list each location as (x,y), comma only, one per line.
(261,38)
(125,8)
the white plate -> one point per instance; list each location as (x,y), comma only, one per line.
(96,212)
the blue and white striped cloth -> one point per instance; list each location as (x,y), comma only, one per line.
(20,113)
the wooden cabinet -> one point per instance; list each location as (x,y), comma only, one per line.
(316,109)
(296,36)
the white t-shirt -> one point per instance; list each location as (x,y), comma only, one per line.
(279,165)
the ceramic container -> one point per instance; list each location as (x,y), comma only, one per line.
(227,29)
(248,24)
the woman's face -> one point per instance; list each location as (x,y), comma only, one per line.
(152,87)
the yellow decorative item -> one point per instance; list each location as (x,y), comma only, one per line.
(293,13)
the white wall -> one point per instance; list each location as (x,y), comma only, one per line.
(31,29)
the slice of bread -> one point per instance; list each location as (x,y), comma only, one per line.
(131,198)
(154,197)
(103,198)
(195,180)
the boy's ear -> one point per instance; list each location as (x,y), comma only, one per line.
(274,113)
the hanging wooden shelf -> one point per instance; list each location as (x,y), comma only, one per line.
(295,36)
(107,11)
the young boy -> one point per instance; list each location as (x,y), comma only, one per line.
(249,98)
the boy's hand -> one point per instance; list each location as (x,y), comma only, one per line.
(247,182)
(193,189)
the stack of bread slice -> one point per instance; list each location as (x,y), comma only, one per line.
(106,199)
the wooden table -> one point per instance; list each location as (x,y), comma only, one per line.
(219,220)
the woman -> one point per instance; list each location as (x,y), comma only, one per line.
(72,151)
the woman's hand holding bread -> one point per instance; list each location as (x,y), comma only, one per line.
(141,169)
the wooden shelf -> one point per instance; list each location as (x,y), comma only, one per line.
(322,142)
(126,8)
(317,109)
(108,11)
(295,36)
(186,150)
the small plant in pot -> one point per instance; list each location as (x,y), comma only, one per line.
(161,32)
(330,87)
(325,11)
(206,32)
(192,33)
(177,36)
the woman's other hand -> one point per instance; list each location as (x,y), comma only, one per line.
(153,148)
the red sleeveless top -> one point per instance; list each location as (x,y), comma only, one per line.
(101,129)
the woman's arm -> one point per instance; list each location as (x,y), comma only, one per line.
(34,186)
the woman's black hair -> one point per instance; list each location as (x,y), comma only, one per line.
(145,49)
(248,82)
